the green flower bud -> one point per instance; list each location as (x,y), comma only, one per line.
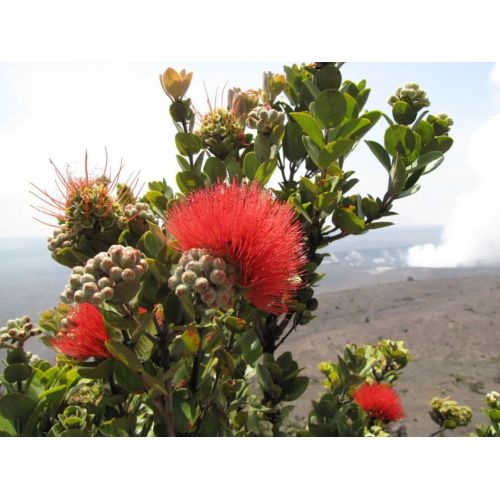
(185,259)
(88,278)
(206,262)
(75,281)
(219,263)
(78,270)
(217,276)
(172,282)
(89,289)
(115,273)
(79,297)
(104,282)
(181,290)
(97,299)
(188,278)
(194,266)
(106,264)
(201,285)
(107,293)
(128,275)
(209,296)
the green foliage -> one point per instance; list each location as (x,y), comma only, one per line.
(336,414)
(178,367)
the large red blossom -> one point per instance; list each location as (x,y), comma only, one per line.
(246,225)
(380,401)
(85,335)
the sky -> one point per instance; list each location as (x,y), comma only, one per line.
(58,111)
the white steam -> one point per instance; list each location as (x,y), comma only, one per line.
(472,235)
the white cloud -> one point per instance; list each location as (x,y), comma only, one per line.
(472,235)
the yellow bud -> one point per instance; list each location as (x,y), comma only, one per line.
(175,84)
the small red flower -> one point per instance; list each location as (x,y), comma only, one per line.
(85,336)
(380,401)
(246,226)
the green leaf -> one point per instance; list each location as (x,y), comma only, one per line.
(233,168)
(215,169)
(312,149)
(187,144)
(310,126)
(292,142)
(328,77)
(189,181)
(381,154)
(191,338)
(378,225)
(362,97)
(16,405)
(348,221)
(262,148)
(17,372)
(399,140)
(441,143)
(294,388)
(6,427)
(425,131)
(330,107)
(172,308)
(403,113)
(101,371)
(398,176)
(266,382)
(157,199)
(309,186)
(265,171)
(334,150)
(54,396)
(124,355)
(250,165)
(349,129)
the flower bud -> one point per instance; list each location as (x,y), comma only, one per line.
(217,276)
(115,273)
(181,290)
(175,84)
(209,296)
(104,282)
(219,263)
(89,289)
(106,264)
(79,297)
(97,299)
(78,270)
(201,285)
(88,278)
(172,282)
(188,278)
(128,275)
(206,262)
(194,266)
(107,293)
(75,281)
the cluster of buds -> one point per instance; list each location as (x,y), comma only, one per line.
(412,94)
(493,400)
(97,280)
(264,119)
(61,238)
(137,215)
(441,123)
(448,414)
(241,103)
(213,278)
(272,86)
(17,331)
(221,133)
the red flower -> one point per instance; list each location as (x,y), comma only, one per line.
(85,336)
(380,401)
(245,225)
